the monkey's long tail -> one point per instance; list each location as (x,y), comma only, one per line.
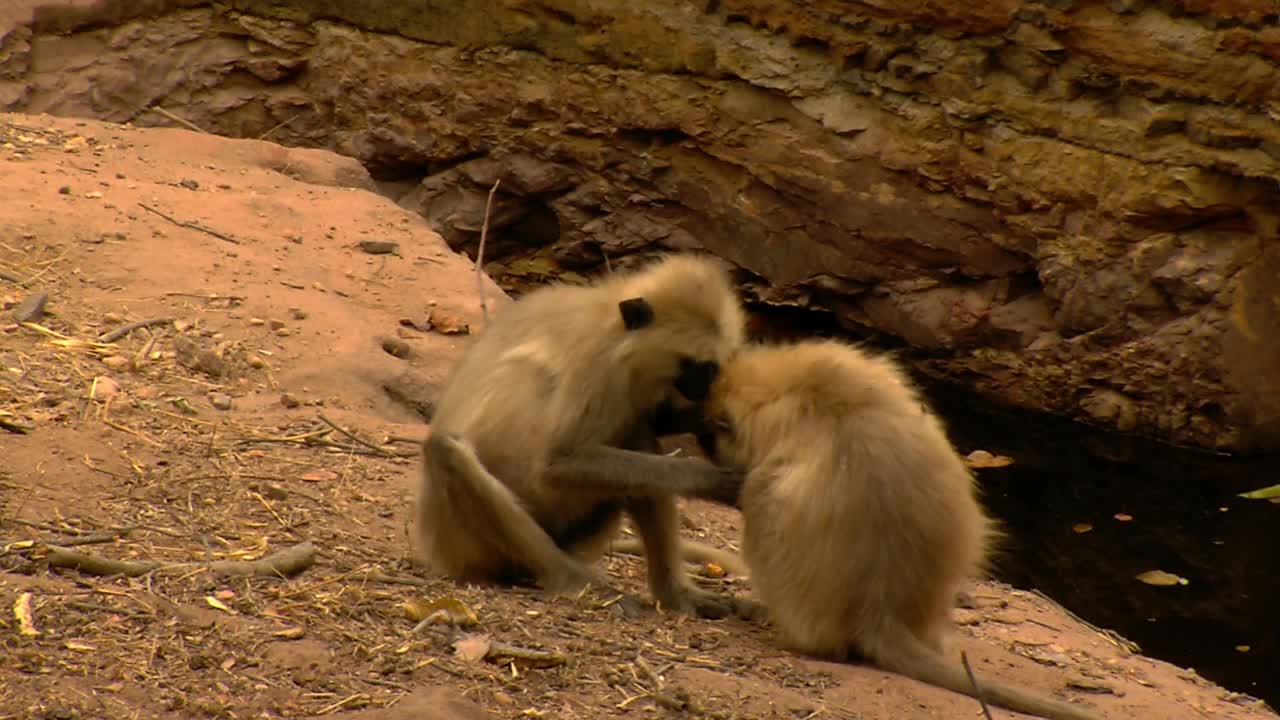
(896,649)
(691,551)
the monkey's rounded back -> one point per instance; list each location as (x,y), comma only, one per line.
(856,507)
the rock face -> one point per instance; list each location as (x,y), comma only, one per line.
(1069,205)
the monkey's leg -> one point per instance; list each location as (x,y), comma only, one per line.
(658,522)
(514,533)
(630,473)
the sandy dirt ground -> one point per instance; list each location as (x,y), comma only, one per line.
(291,326)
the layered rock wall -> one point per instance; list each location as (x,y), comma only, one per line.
(1072,206)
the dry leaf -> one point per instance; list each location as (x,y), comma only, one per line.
(713,570)
(228,664)
(979,459)
(319,476)
(77,645)
(472,647)
(25,616)
(441,611)
(535,267)
(1123,517)
(292,633)
(1266,493)
(1081,528)
(447,323)
(1161,578)
(217,604)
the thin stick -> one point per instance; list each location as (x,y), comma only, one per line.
(353,436)
(484,235)
(281,124)
(190,225)
(8,546)
(977,691)
(181,121)
(127,328)
(285,563)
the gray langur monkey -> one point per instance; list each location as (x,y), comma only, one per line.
(860,519)
(544,434)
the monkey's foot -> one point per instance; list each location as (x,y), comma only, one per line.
(690,600)
(749,610)
(571,579)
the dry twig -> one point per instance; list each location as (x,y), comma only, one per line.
(354,437)
(190,225)
(285,563)
(484,235)
(977,691)
(500,652)
(181,121)
(127,328)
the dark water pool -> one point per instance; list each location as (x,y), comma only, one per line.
(1186,520)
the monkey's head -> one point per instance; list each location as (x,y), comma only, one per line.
(679,320)
(755,400)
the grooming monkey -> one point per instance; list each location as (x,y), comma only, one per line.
(543,435)
(860,519)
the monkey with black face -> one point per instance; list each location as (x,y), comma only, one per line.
(542,437)
(860,519)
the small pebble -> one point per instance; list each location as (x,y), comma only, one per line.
(379,247)
(289,401)
(257,321)
(64,190)
(297,313)
(190,184)
(221,401)
(275,324)
(31,309)
(104,388)
(115,362)
(283,332)
(255,362)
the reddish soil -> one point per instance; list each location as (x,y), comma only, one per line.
(204,437)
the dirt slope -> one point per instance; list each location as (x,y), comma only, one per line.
(205,438)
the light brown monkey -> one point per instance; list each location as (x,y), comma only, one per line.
(860,519)
(542,437)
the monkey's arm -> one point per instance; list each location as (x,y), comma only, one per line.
(623,473)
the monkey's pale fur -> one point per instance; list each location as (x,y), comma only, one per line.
(524,475)
(860,520)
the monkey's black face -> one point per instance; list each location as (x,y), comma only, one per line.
(708,435)
(695,378)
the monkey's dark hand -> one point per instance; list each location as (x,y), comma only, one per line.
(728,487)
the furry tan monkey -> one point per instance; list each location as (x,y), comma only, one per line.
(860,519)
(543,435)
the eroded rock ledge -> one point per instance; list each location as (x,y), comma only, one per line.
(1072,206)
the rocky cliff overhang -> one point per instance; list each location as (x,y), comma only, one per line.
(1071,206)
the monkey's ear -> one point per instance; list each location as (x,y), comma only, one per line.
(694,381)
(636,313)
